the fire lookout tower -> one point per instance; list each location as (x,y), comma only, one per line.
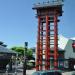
(47,14)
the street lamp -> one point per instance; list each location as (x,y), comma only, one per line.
(25,58)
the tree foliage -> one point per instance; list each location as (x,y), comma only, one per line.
(20,50)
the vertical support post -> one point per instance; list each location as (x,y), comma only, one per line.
(10,64)
(55,43)
(41,46)
(47,61)
(25,59)
(38,45)
(16,64)
(48,44)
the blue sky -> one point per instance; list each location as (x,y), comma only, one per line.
(18,23)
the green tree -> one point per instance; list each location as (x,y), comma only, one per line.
(29,53)
(20,50)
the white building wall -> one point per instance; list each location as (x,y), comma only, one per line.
(62,42)
(69,50)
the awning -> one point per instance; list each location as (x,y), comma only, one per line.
(6,50)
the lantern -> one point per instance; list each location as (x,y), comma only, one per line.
(73,45)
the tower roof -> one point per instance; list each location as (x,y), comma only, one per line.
(48,4)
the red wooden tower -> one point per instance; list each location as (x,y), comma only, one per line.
(47,14)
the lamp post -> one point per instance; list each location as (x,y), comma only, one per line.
(16,64)
(25,59)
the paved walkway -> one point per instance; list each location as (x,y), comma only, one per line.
(69,73)
(28,72)
(18,71)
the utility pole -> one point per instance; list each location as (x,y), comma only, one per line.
(25,58)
